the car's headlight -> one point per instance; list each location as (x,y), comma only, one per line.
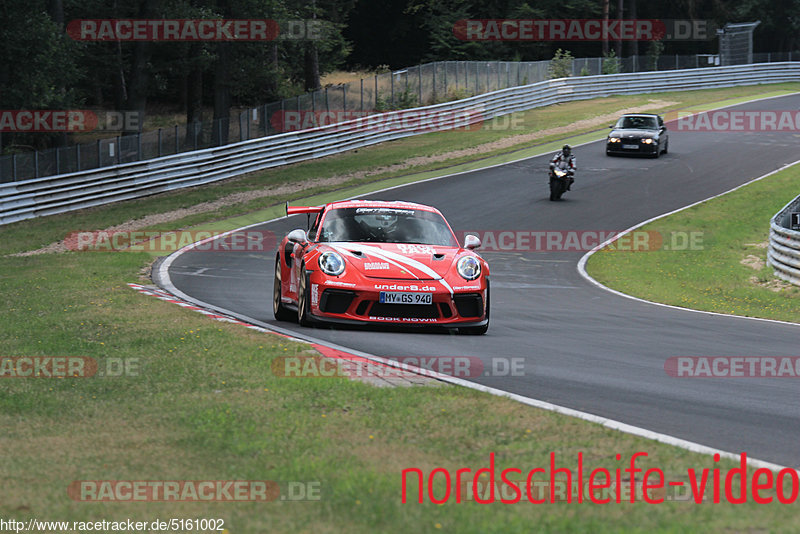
(469,268)
(648,141)
(331,263)
(613,139)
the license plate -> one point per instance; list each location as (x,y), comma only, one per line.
(631,147)
(397,297)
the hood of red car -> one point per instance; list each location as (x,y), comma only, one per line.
(398,261)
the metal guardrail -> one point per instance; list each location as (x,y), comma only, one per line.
(783,252)
(67,192)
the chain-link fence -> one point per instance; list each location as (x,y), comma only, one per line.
(736,43)
(422,85)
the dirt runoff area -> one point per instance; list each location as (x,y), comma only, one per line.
(757,263)
(291,188)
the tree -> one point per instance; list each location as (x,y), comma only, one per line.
(654,51)
(611,64)
(561,64)
(39,66)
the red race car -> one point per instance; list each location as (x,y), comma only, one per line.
(375,262)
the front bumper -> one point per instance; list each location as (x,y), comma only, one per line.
(361,305)
(641,148)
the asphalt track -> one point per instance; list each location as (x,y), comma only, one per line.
(583,347)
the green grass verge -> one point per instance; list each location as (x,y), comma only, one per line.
(712,277)
(204,404)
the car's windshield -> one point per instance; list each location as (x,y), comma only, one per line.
(639,123)
(386,225)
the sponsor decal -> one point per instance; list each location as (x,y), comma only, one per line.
(314,294)
(400,287)
(337,283)
(415,249)
(386,211)
(404,319)
(375,266)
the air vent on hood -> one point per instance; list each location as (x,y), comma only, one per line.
(438,256)
(356,253)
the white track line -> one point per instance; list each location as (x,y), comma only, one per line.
(588,277)
(163,270)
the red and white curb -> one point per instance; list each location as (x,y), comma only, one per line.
(386,373)
(163,295)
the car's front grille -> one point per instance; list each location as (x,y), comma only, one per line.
(336,300)
(362,307)
(470,305)
(407,311)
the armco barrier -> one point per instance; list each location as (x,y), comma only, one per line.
(67,192)
(783,253)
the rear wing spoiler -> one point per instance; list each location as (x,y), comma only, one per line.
(294,210)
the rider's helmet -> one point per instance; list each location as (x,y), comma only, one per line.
(566,150)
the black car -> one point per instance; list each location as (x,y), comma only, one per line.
(638,133)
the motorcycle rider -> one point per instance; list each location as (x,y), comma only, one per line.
(564,159)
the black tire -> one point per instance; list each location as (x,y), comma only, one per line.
(303,317)
(281,312)
(666,147)
(479,330)
(557,188)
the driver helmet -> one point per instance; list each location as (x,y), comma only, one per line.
(566,150)
(386,221)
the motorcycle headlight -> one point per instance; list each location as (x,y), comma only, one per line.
(469,268)
(331,263)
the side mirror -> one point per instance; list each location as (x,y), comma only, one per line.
(471,242)
(298,236)
(611,126)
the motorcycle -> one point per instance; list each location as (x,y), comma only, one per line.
(560,179)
